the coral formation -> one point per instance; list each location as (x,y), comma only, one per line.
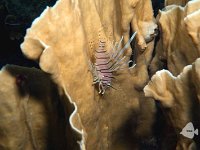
(176,2)
(64,39)
(179,44)
(177,47)
(31,111)
(64,110)
(179,97)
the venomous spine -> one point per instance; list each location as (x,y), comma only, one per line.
(108,63)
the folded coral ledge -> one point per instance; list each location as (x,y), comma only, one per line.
(58,107)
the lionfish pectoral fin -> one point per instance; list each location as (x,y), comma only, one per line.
(116,48)
(117,63)
(119,52)
(99,89)
(111,86)
(103,91)
(119,46)
(113,78)
(126,46)
(94,83)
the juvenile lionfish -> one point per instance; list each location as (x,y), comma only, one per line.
(108,63)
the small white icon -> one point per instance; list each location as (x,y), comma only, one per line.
(188,131)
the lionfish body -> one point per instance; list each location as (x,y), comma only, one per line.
(107,63)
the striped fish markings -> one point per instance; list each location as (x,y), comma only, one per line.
(108,63)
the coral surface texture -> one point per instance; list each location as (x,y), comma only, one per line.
(112,75)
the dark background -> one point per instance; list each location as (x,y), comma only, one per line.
(15,17)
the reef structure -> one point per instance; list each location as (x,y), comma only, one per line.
(66,36)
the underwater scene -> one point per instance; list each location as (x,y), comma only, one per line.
(99,74)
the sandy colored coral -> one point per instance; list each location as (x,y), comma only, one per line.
(178,46)
(31,111)
(176,2)
(179,37)
(179,97)
(64,39)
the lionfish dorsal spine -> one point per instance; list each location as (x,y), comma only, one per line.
(107,63)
